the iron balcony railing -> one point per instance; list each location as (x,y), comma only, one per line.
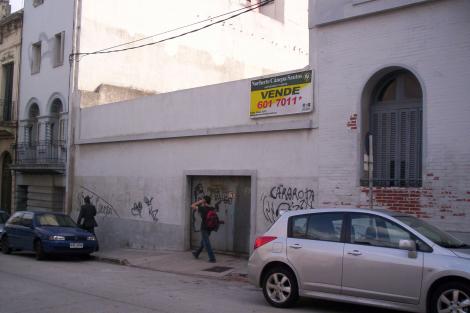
(41,153)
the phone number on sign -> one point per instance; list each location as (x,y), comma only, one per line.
(280,102)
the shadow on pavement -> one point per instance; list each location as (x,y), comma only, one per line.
(338,307)
(53,258)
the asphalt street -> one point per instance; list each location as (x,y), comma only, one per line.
(74,285)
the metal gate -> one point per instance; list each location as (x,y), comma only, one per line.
(231,196)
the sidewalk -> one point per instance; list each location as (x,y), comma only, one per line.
(178,262)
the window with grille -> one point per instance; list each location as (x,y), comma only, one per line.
(397,125)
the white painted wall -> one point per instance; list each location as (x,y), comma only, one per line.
(125,172)
(250,45)
(433,41)
(42,23)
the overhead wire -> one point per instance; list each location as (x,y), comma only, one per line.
(185,26)
(107,50)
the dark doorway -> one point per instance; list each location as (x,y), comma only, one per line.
(231,195)
(6,183)
(8,91)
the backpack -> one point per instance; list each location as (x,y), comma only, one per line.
(212,220)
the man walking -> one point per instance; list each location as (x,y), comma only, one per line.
(202,206)
(87,213)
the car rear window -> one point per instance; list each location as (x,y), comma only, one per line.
(317,226)
(55,220)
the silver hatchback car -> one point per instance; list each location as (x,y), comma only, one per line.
(371,257)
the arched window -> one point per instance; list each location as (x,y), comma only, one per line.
(31,130)
(396,123)
(52,131)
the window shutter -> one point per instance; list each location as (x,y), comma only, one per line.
(396,126)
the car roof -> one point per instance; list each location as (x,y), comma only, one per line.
(41,212)
(355,210)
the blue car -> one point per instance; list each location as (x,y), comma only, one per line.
(46,233)
(3,219)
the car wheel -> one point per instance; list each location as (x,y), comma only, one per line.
(451,297)
(280,287)
(5,245)
(40,255)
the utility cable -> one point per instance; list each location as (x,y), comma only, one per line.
(107,50)
(186,26)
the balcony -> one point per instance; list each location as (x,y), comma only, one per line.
(41,157)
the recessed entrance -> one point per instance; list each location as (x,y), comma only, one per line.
(231,196)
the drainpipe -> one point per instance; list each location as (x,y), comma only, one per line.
(72,109)
(370,165)
(17,117)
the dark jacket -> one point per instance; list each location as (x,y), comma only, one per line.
(203,212)
(87,213)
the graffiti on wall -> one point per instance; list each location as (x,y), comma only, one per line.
(145,207)
(219,197)
(286,198)
(103,207)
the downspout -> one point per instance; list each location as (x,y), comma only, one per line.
(73,110)
(17,117)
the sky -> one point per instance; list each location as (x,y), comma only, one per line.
(16,5)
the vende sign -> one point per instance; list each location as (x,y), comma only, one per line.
(282,95)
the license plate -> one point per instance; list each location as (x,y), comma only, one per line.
(76,245)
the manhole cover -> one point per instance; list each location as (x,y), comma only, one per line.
(218,269)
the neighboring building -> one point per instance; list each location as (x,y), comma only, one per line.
(271,39)
(398,69)
(41,151)
(10,50)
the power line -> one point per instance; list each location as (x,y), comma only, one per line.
(186,26)
(107,50)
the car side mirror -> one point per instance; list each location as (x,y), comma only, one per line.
(409,245)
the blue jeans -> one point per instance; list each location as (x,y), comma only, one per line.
(205,243)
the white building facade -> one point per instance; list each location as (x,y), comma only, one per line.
(41,151)
(209,46)
(395,69)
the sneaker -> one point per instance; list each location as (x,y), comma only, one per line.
(195,255)
(212,261)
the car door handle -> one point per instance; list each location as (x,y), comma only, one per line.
(295,246)
(355,252)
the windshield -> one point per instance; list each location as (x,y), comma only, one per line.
(55,220)
(433,233)
(3,218)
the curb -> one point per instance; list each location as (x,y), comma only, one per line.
(238,277)
(111,260)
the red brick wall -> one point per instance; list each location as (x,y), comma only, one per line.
(434,200)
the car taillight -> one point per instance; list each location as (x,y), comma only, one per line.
(261,241)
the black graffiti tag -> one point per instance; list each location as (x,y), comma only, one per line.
(102,206)
(218,194)
(152,212)
(282,198)
(138,207)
